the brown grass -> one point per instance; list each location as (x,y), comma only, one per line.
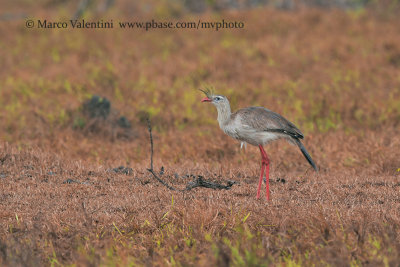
(333,73)
(336,217)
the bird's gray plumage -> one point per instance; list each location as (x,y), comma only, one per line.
(263,119)
(256,125)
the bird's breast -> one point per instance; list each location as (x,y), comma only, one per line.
(231,132)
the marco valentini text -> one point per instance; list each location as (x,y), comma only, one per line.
(75,24)
(145,25)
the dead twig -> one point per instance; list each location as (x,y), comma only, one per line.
(151,160)
(198,182)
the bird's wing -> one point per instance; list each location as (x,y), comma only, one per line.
(262,119)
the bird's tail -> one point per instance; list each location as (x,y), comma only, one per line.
(306,155)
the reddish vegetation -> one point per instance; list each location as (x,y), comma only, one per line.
(334,74)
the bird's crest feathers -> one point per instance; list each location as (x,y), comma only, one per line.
(208,91)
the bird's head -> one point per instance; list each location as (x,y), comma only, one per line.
(220,102)
(216,100)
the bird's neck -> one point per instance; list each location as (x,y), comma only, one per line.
(224,114)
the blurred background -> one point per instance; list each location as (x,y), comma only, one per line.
(330,67)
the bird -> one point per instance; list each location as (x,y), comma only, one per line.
(256,126)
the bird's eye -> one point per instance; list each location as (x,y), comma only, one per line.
(217,98)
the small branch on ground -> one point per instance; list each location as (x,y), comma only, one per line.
(151,143)
(151,160)
(198,182)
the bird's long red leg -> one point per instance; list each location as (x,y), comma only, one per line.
(261,178)
(267,178)
(264,162)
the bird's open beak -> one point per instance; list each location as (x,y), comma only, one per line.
(206,99)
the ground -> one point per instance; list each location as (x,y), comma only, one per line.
(64,198)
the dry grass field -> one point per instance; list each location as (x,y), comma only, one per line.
(65,200)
